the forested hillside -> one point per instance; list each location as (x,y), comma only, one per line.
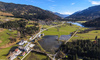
(27,11)
(93,23)
(20,25)
(86,14)
(82,49)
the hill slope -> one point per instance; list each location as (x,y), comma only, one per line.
(87,14)
(93,23)
(27,11)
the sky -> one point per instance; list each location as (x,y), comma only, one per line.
(60,6)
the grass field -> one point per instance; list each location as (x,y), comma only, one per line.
(81,21)
(90,35)
(4,18)
(36,56)
(5,35)
(4,52)
(63,30)
(46,26)
(29,25)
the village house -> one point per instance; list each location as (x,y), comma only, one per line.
(27,49)
(22,42)
(15,54)
(31,45)
(17,50)
(23,54)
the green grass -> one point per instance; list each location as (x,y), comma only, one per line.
(4,52)
(4,37)
(19,56)
(4,18)
(45,26)
(56,22)
(90,35)
(81,21)
(63,30)
(66,30)
(35,56)
(29,25)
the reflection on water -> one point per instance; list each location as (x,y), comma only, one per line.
(64,37)
(50,43)
(75,23)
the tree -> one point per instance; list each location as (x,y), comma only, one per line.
(96,38)
(76,57)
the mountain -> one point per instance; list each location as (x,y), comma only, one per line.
(27,11)
(93,23)
(87,14)
(61,15)
(58,14)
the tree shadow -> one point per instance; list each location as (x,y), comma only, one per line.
(11,50)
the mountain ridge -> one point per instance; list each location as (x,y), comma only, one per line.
(27,11)
(61,15)
(86,14)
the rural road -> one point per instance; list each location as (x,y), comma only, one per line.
(35,36)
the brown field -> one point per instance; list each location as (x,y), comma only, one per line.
(6,14)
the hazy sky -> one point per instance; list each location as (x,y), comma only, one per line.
(61,6)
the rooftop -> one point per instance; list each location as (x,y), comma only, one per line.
(16,49)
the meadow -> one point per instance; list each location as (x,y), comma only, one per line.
(62,30)
(5,18)
(36,56)
(4,52)
(85,36)
(5,34)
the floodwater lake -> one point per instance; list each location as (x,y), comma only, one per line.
(50,43)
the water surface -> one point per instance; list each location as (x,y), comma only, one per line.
(50,43)
(76,23)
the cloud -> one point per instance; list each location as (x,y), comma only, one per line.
(72,3)
(51,0)
(69,13)
(95,2)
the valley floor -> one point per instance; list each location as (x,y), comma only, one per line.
(65,29)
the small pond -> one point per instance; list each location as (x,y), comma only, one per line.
(50,43)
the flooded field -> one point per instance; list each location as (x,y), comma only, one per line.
(64,37)
(50,43)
